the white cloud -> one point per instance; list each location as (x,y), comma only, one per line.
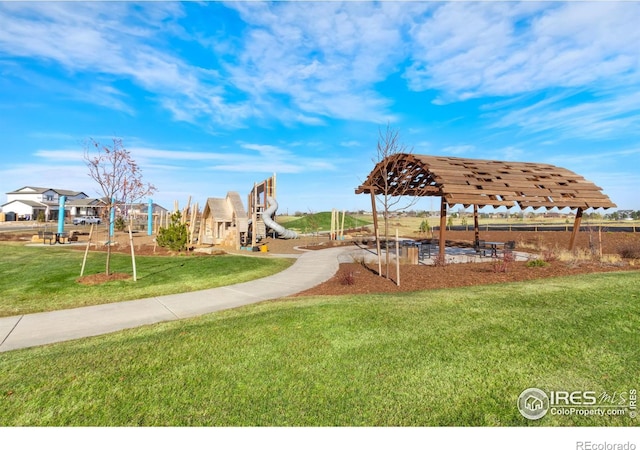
(116,41)
(322,58)
(309,62)
(481,49)
(599,117)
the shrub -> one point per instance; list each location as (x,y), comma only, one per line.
(629,250)
(501,265)
(120,224)
(347,278)
(537,263)
(175,236)
(439,261)
(550,254)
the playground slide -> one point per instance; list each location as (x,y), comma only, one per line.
(272,206)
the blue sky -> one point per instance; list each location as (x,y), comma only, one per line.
(214,96)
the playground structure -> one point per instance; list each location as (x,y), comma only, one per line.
(262,205)
(225,221)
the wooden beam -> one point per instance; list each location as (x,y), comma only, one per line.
(443,225)
(375,229)
(576,228)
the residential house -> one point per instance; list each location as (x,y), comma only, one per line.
(28,202)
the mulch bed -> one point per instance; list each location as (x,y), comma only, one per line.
(356,278)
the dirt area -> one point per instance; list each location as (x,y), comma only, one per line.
(356,278)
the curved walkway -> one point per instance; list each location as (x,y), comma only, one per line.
(310,269)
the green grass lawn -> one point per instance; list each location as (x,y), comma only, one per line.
(457,357)
(44,278)
(321,221)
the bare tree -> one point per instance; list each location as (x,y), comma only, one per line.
(118,176)
(394,194)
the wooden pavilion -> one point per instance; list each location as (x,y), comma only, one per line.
(479,183)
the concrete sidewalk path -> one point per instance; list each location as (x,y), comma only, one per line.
(310,269)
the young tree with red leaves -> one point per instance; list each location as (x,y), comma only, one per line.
(118,176)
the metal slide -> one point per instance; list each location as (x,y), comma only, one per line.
(272,206)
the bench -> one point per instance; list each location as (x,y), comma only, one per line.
(426,247)
(46,236)
(62,238)
(481,247)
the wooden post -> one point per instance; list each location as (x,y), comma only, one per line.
(344,213)
(86,251)
(333,224)
(443,225)
(133,255)
(375,230)
(397,259)
(273,186)
(186,211)
(600,241)
(254,215)
(192,223)
(576,228)
(476,226)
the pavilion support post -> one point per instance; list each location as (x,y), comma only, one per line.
(443,226)
(476,227)
(374,212)
(576,228)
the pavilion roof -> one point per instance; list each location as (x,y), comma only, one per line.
(482,182)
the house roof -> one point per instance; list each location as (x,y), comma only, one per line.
(40,190)
(85,202)
(484,182)
(30,203)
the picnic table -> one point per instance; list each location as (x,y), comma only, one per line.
(53,238)
(493,246)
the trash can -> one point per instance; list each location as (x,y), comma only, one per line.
(412,255)
(264,248)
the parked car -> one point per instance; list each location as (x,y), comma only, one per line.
(83,220)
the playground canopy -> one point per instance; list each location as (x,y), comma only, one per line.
(482,183)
